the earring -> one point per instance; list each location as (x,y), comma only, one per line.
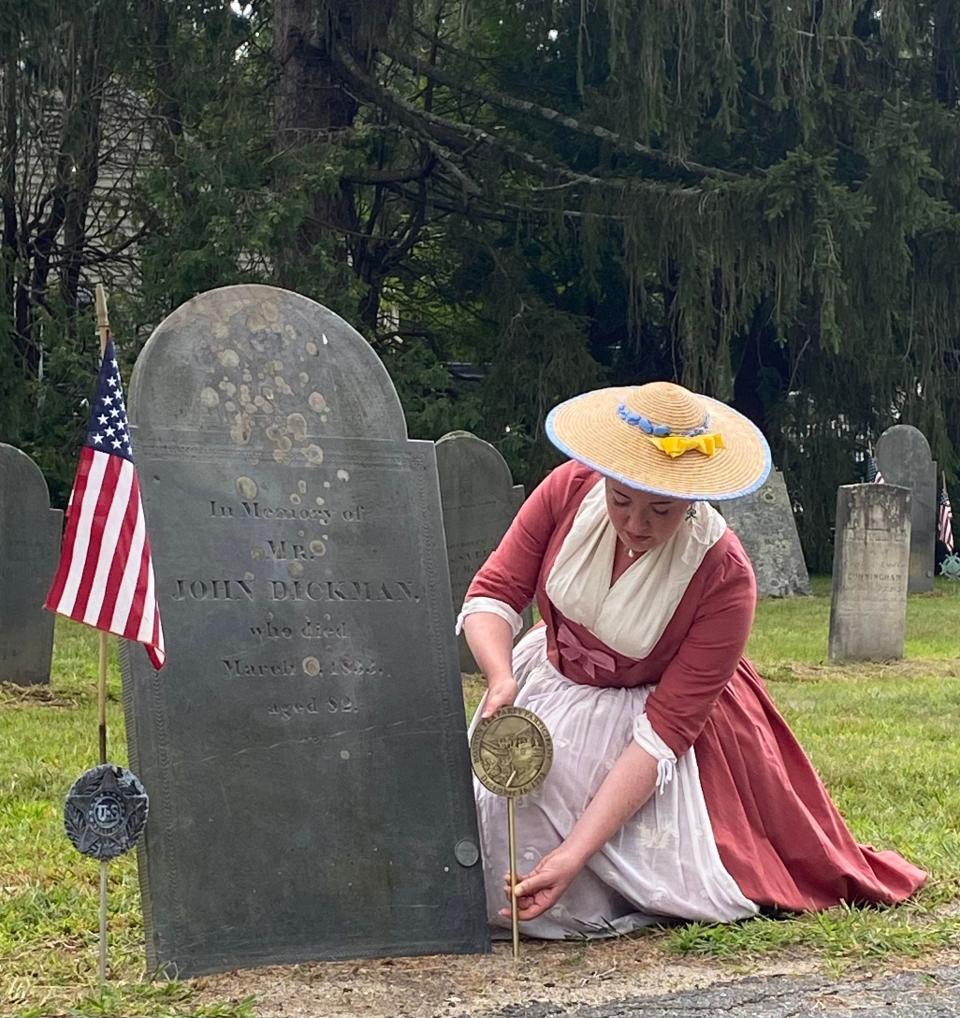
(691,513)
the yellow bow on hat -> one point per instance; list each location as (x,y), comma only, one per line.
(677,445)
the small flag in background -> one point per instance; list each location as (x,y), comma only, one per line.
(105,575)
(873,470)
(945,519)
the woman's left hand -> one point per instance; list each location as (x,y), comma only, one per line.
(542,887)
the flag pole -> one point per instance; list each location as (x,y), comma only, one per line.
(103,330)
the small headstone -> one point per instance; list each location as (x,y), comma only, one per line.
(768,532)
(304,747)
(871,564)
(479,502)
(29,545)
(903,457)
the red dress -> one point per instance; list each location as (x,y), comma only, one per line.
(778,833)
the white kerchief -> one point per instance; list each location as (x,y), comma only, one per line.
(630,616)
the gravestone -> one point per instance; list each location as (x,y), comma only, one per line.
(29,546)
(304,748)
(871,566)
(903,457)
(479,502)
(768,532)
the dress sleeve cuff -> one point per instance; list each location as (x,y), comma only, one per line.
(646,738)
(491,606)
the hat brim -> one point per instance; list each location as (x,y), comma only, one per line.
(588,428)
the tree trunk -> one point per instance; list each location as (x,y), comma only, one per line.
(310,106)
(82,139)
(167,101)
(8,172)
(946,39)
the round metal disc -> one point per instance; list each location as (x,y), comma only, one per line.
(511,751)
(950,567)
(105,811)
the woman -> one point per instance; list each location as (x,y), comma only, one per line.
(676,788)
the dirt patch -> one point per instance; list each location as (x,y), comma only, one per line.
(13,695)
(563,974)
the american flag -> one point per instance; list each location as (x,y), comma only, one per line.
(873,470)
(945,519)
(105,575)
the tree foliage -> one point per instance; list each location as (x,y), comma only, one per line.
(755,197)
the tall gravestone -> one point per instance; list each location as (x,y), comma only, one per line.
(479,502)
(871,566)
(903,457)
(304,747)
(29,545)
(768,532)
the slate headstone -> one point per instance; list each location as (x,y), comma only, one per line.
(304,748)
(871,565)
(768,532)
(29,546)
(903,457)
(479,502)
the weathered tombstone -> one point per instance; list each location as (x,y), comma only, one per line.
(903,456)
(768,532)
(479,502)
(29,543)
(871,565)
(304,747)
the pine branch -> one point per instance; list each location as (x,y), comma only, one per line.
(442,44)
(437,130)
(595,131)
(483,213)
(437,138)
(445,158)
(390,175)
(411,234)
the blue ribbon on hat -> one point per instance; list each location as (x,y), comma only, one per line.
(658,430)
(674,443)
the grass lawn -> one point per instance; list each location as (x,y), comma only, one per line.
(884,738)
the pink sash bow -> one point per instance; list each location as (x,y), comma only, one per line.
(589,660)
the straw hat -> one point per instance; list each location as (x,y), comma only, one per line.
(664,439)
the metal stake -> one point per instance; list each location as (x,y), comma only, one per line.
(103,329)
(512,845)
(103,921)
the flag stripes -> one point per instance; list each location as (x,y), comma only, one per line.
(105,575)
(945,519)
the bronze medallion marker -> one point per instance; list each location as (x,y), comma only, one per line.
(511,753)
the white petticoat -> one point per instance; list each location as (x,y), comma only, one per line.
(663,862)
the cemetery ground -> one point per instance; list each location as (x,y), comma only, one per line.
(883,737)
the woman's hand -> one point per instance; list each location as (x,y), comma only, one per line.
(542,887)
(500,693)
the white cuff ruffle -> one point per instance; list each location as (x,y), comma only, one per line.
(646,738)
(491,606)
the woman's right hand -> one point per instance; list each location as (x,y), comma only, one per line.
(542,887)
(500,693)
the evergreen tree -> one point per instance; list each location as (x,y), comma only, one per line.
(755,197)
